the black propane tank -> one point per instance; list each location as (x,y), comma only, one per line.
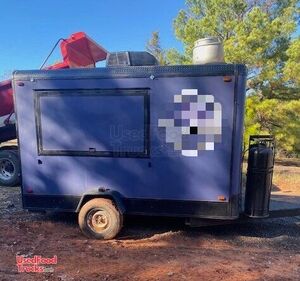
(259,176)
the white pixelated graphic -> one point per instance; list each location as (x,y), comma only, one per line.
(195,124)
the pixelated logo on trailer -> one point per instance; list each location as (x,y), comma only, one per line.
(194,124)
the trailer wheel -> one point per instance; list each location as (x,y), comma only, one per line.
(100,219)
(10,170)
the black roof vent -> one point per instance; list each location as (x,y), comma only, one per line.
(130,59)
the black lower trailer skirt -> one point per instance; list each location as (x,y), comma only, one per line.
(196,222)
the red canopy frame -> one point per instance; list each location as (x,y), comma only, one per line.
(78,51)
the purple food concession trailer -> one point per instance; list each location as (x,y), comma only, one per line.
(147,140)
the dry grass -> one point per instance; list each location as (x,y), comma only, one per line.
(286,176)
(286,179)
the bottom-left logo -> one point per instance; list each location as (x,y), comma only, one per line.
(36,263)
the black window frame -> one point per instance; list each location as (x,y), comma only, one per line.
(144,92)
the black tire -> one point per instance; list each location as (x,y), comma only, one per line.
(10,170)
(100,219)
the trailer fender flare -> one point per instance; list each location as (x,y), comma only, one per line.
(115,196)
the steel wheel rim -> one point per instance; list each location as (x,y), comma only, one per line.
(7,169)
(98,220)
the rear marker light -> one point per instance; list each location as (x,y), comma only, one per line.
(227,79)
(221,198)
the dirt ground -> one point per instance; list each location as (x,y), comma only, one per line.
(153,248)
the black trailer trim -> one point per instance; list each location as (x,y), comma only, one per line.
(235,208)
(152,72)
(60,203)
(144,92)
(273,214)
(136,206)
(199,213)
(181,208)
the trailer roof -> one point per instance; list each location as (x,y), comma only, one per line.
(134,71)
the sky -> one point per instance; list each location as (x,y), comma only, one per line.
(29,29)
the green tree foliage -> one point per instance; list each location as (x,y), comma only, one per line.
(257,33)
(284,124)
(164,57)
(153,47)
(292,66)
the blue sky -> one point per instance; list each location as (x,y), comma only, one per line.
(29,29)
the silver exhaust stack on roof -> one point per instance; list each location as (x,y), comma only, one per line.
(208,50)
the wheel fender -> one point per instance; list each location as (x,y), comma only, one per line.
(115,196)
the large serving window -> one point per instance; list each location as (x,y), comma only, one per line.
(109,123)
